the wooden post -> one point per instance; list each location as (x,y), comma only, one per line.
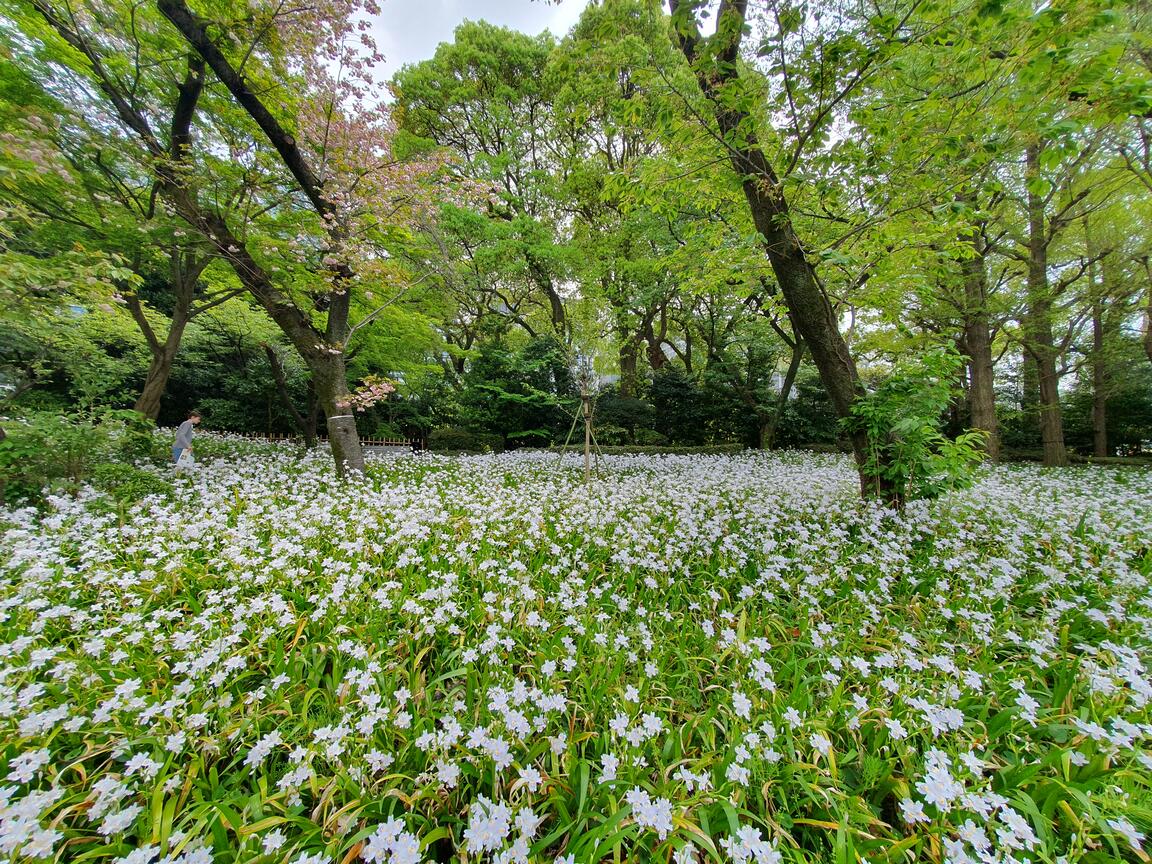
(586,402)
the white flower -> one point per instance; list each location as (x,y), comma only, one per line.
(391,843)
(608,772)
(273,841)
(650,813)
(27,765)
(749,846)
(1125,828)
(117,823)
(262,748)
(489,824)
(912,811)
(527,822)
(532,777)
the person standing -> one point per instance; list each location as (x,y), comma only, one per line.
(184,435)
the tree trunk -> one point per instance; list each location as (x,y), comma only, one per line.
(978,347)
(306,427)
(768,430)
(543,280)
(629,355)
(1148,311)
(654,348)
(159,370)
(1038,326)
(804,295)
(330,378)
(184,272)
(1099,382)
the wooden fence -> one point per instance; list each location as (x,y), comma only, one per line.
(414,444)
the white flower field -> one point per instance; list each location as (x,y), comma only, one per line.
(693,658)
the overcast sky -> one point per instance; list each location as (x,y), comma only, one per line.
(408,31)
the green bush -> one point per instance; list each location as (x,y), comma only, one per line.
(650,438)
(456,440)
(908,455)
(127,483)
(132,435)
(47,450)
(606,435)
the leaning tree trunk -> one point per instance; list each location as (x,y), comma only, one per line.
(1038,326)
(804,295)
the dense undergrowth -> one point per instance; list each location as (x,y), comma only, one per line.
(691,658)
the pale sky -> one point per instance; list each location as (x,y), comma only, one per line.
(408,31)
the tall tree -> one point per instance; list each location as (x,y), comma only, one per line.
(328,188)
(716,62)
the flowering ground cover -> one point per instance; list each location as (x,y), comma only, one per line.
(690,659)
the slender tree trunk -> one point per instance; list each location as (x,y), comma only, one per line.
(1148,311)
(978,347)
(1099,382)
(184,272)
(768,430)
(305,426)
(1038,328)
(629,376)
(717,70)
(1098,292)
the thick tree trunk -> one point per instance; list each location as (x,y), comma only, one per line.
(654,348)
(808,304)
(978,347)
(159,370)
(1038,326)
(330,378)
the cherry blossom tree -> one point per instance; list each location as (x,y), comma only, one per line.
(274,106)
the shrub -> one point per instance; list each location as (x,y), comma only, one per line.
(47,450)
(127,483)
(907,453)
(456,440)
(132,435)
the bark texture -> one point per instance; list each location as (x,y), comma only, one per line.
(978,347)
